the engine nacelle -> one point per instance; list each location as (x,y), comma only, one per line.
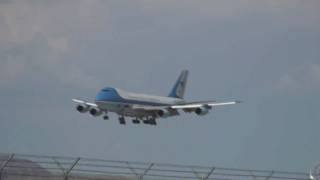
(201,111)
(82,108)
(164,113)
(95,112)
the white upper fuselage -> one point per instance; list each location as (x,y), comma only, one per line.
(122,102)
(117,95)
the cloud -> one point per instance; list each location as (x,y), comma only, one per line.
(35,39)
(225,9)
(24,19)
(41,36)
(305,77)
(10,70)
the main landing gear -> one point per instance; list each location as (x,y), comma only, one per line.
(135,121)
(122,120)
(106,117)
(151,121)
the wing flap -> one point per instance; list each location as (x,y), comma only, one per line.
(201,104)
(192,105)
(149,108)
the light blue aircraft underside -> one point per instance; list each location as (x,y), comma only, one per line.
(146,108)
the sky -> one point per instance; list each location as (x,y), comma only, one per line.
(264,53)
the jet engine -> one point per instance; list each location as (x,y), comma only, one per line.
(201,111)
(95,112)
(82,108)
(164,113)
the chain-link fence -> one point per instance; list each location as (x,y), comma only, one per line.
(18,166)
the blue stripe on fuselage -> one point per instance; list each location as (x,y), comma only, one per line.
(111,95)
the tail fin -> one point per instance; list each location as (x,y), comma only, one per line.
(180,86)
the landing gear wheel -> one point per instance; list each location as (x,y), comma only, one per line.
(106,117)
(135,121)
(153,122)
(122,120)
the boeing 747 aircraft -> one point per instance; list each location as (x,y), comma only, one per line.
(145,108)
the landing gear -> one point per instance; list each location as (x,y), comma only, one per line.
(146,120)
(135,121)
(122,120)
(151,121)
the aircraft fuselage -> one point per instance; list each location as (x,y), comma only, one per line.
(122,102)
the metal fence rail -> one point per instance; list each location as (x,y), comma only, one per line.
(53,167)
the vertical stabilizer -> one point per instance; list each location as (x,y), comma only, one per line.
(180,86)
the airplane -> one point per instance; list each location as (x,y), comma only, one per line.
(146,108)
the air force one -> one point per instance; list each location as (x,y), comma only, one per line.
(145,108)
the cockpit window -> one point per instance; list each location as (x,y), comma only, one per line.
(105,90)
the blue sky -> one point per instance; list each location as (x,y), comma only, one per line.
(265,53)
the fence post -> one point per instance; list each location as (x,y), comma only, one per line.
(5,164)
(209,174)
(66,175)
(146,171)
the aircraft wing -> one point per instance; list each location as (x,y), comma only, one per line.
(191,105)
(203,104)
(149,108)
(185,106)
(84,102)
